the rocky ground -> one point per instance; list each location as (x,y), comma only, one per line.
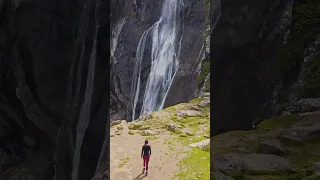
(179,137)
(281,148)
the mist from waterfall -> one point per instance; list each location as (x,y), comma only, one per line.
(164,59)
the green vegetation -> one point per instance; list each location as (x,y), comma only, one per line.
(281,121)
(305,29)
(312,77)
(204,72)
(123,162)
(303,154)
(195,162)
(195,166)
(132,15)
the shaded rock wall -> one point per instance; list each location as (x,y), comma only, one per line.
(245,69)
(38,45)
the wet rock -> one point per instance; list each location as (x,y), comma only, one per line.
(221,176)
(271,147)
(302,133)
(201,144)
(172,128)
(253,163)
(189,113)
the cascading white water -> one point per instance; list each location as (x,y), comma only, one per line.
(84,117)
(164,59)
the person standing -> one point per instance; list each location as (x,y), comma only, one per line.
(145,154)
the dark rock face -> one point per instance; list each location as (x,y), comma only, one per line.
(41,96)
(128,22)
(245,69)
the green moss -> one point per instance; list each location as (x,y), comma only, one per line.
(207,86)
(303,154)
(281,121)
(312,77)
(123,162)
(196,100)
(305,28)
(195,166)
(133,126)
(204,72)
(306,17)
(132,15)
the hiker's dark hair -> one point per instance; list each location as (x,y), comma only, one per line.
(146,141)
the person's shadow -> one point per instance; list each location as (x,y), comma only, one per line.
(140,177)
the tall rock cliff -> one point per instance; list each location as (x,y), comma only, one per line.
(53,88)
(258,51)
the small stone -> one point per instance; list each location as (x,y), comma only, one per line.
(149,133)
(201,144)
(190,133)
(205,102)
(172,128)
(195,108)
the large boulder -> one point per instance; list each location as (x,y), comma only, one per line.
(253,163)
(272,147)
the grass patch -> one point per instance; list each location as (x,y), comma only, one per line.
(136,126)
(204,72)
(196,166)
(123,162)
(196,100)
(131,133)
(282,121)
(303,154)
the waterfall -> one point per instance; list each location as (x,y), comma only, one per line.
(164,57)
(84,117)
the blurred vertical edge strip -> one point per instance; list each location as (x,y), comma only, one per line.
(215,14)
(103,55)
